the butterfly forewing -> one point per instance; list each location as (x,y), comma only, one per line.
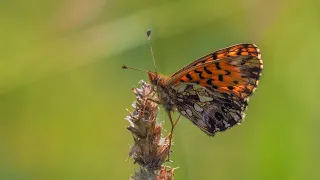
(235,50)
(237,70)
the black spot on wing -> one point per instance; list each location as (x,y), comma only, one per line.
(207,71)
(189,77)
(218,116)
(239,52)
(217,65)
(230,87)
(214,56)
(232,121)
(213,124)
(201,77)
(196,71)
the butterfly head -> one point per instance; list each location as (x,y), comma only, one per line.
(155,78)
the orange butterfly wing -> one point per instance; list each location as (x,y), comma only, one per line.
(234,70)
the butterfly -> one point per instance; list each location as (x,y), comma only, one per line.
(212,91)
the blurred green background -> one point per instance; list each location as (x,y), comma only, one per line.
(63,94)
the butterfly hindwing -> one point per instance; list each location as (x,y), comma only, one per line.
(211,112)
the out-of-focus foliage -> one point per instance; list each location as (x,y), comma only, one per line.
(63,94)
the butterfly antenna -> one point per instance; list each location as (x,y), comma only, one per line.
(126,67)
(154,61)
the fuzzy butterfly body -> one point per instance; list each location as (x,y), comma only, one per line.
(213,91)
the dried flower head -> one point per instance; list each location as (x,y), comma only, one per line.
(150,149)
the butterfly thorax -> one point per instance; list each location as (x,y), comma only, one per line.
(159,82)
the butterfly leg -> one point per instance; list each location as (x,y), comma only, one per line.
(153,100)
(173,124)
